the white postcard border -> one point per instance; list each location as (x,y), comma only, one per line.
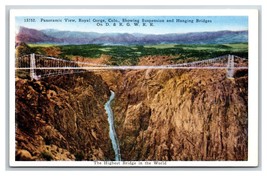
(252,89)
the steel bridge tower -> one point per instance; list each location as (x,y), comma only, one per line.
(230,66)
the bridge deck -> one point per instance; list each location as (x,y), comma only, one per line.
(39,65)
(126,68)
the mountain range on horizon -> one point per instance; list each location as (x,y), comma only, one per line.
(52,36)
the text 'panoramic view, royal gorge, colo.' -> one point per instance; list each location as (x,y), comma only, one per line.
(178,95)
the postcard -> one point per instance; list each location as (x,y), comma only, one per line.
(133,88)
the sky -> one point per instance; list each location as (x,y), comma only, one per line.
(135,24)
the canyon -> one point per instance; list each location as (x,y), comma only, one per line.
(159,115)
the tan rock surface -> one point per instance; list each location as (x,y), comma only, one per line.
(182,115)
(62,118)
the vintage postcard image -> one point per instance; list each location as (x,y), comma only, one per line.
(133,88)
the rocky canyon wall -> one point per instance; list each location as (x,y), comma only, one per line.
(182,115)
(62,118)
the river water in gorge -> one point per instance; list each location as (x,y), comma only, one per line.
(112,132)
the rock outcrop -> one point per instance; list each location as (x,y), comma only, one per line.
(182,115)
(62,118)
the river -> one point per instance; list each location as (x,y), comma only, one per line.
(112,132)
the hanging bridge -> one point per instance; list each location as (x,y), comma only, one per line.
(41,66)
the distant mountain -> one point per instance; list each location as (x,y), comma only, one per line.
(34,36)
(72,37)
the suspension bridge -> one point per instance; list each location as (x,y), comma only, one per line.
(40,66)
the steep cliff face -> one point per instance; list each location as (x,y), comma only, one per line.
(182,115)
(159,115)
(62,118)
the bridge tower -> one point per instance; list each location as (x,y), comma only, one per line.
(33,67)
(230,66)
